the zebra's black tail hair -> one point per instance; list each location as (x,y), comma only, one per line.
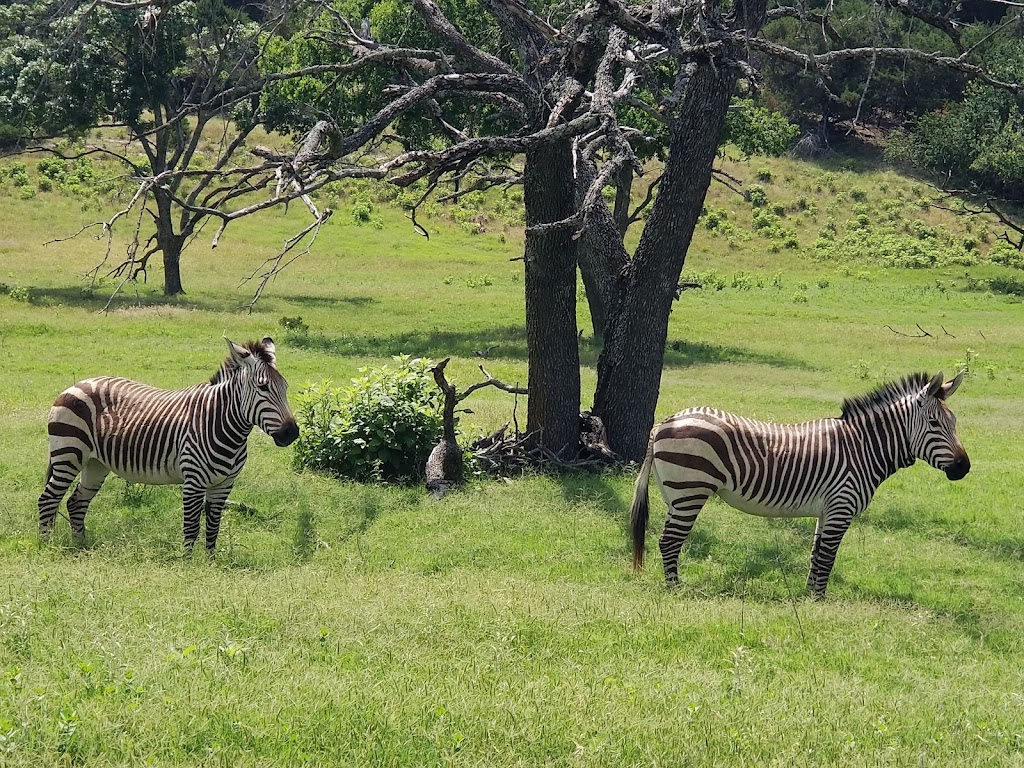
(639,511)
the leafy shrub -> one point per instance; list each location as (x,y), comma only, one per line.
(976,139)
(858,194)
(709,279)
(1009,285)
(362,210)
(764,174)
(764,219)
(892,249)
(381,427)
(756,196)
(742,281)
(757,130)
(713,217)
(294,325)
(1007,255)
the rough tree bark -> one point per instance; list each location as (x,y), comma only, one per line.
(169,243)
(600,251)
(550,257)
(629,369)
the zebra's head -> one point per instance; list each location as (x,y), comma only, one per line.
(933,436)
(264,395)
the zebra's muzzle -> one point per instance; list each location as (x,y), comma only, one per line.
(286,435)
(959,468)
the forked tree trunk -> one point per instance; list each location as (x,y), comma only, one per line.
(550,282)
(629,369)
(600,251)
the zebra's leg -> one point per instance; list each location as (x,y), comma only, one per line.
(93,475)
(216,498)
(682,515)
(828,535)
(59,477)
(193,499)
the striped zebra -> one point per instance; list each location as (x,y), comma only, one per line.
(195,437)
(828,468)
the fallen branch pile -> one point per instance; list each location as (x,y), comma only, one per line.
(506,453)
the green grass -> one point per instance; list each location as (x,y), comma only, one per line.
(358,625)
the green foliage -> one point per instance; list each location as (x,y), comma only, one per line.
(978,140)
(1012,286)
(755,195)
(294,324)
(920,249)
(795,91)
(757,130)
(714,218)
(382,427)
(1006,254)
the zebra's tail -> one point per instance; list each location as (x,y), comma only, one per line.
(639,511)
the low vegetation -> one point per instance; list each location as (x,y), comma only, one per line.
(348,623)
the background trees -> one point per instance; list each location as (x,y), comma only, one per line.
(180,77)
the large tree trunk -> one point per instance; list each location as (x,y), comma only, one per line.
(554,366)
(629,369)
(169,243)
(600,251)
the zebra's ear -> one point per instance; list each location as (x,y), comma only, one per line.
(934,386)
(947,389)
(268,347)
(239,355)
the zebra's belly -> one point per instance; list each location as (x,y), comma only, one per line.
(153,477)
(810,508)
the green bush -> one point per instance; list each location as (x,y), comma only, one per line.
(756,196)
(1007,255)
(382,427)
(758,130)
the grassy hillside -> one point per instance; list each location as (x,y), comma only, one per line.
(351,625)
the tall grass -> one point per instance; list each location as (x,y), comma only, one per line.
(343,624)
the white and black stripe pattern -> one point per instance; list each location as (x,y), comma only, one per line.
(828,469)
(195,437)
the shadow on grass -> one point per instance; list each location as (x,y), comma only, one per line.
(507,342)
(81,298)
(683,354)
(328,302)
(897,519)
(596,488)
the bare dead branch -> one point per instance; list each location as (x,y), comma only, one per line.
(490,381)
(923,333)
(275,264)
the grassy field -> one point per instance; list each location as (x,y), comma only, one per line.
(343,624)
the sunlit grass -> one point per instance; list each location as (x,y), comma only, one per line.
(356,625)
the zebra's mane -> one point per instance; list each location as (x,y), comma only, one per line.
(229,366)
(885,394)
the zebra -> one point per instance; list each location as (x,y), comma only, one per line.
(195,437)
(828,468)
